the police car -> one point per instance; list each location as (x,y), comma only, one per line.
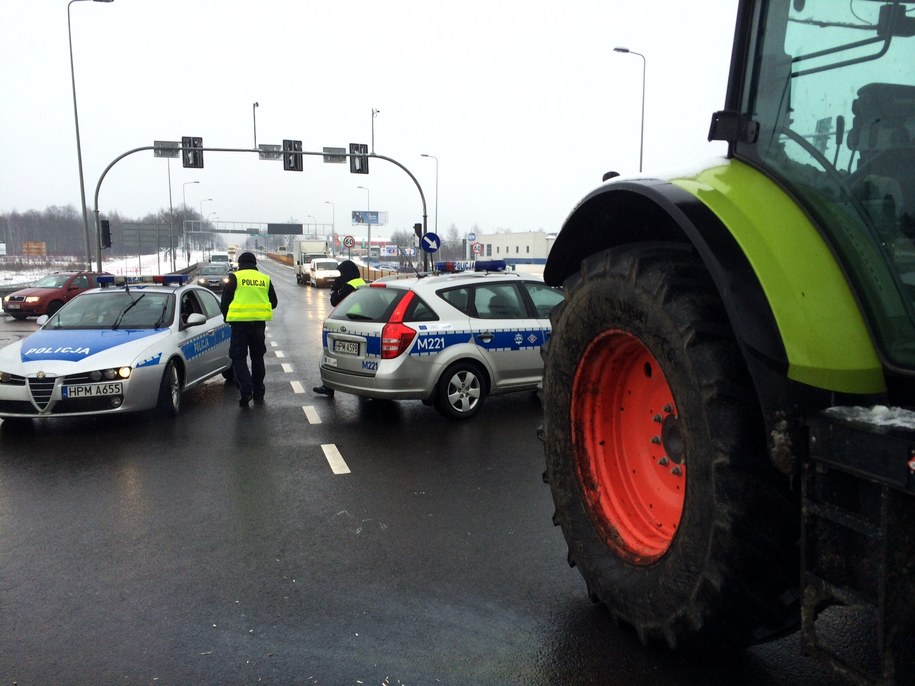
(450,339)
(131,344)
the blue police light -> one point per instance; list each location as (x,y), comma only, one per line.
(160,279)
(489,266)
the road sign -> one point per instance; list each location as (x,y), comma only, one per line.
(166,149)
(477,248)
(267,151)
(285,229)
(471,237)
(430,242)
(348,241)
(192,156)
(359,162)
(292,155)
(335,155)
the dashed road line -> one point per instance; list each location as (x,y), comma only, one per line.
(280,353)
(334,459)
(287,367)
(311,414)
(298,388)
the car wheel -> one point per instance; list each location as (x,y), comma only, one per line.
(170,390)
(53,306)
(656,456)
(460,391)
(19,317)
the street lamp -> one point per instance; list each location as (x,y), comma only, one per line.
(254,117)
(644,67)
(375,113)
(333,225)
(436,189)
(79,150)
(314,221)
(368,208)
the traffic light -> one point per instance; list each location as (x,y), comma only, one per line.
(292,155)
(105,227)
(359,158)
(418,230)
(192,152)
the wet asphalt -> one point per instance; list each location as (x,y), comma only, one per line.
(222,547)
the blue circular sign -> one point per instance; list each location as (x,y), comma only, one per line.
(471,236)
(430,242)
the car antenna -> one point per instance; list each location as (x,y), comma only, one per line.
(412,266)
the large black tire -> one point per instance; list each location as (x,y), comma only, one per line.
(656,456)
(460,391)
(53,306)
(170,390)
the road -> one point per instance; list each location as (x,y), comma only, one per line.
(308,541)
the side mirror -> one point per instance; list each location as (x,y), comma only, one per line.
(195,319)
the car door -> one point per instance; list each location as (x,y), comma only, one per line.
(543,299)
(201,343)
(507,335)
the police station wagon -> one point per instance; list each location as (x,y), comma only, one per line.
(448,340)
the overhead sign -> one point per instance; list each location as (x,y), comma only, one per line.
(166,149)
(430,242)
(285,229)
(267,151)
(335,155)
(359,162)
(192,153)
(366,217)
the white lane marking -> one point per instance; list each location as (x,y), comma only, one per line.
(274,343)
(287,368)
(298,388)
(334,459)
(311,414)
(280,353)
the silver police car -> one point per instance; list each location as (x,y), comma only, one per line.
(448,340)
(133,344)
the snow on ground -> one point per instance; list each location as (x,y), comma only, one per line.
(879,415)
(126,266)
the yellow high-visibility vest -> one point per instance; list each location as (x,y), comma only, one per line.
(251,302)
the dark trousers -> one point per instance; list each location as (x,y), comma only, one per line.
(248,339)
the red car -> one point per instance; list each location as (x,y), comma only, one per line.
(47,295)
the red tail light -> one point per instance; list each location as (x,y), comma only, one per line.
(396,336)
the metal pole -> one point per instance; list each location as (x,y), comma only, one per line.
(333,227)
(187,253)
(436,190)
(254,116)
(368,222)
(79,149)
(375,113)
(627,51)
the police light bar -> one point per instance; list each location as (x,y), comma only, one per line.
(161,279)
(453,266)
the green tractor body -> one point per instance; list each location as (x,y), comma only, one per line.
(724,325)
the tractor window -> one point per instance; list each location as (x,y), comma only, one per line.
(833,92)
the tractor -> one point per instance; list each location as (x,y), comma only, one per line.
(728,389)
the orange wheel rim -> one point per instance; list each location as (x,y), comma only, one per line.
(630,452)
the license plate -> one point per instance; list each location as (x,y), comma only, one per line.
(346,347)
(92,390)
(12,306)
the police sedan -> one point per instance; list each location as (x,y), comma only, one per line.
(131,344)
(448,339)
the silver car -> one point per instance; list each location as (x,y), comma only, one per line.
(448,340)
(132,344)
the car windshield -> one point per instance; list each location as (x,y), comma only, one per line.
(119,309)
(326,264)
(52,281)
(212,270)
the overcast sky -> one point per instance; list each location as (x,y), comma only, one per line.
(524,103)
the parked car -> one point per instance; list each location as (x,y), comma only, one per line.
(135,343)
(448,340)
(214,275)
(48,294)
(322,271)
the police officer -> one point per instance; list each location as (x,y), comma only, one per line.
(349,280)
(247,304)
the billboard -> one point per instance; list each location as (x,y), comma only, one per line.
(369,217)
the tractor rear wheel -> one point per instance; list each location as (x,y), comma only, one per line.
(656,455)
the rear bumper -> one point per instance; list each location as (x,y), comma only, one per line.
(378,386)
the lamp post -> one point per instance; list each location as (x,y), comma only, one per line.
(79,150)
(333,226)
(644,67)
(436,189)
(201,211)
(187,253)
(313,221)
(368,208)
(375,113)
(254,117)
